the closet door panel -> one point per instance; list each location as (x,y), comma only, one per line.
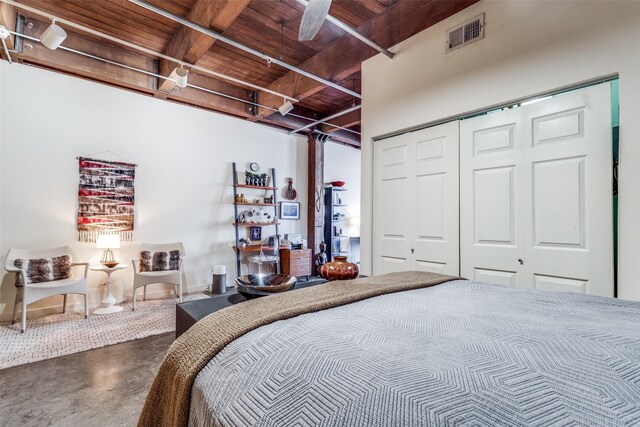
(435,238)
(569,150)
(491,180)
(393,204)
(536,198)
(416,202)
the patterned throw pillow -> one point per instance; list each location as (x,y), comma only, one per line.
(43,269)
(159,261)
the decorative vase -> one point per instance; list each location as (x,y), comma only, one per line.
(339,269)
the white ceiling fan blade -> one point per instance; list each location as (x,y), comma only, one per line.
(314,15)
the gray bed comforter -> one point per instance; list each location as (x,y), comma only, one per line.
(461,353)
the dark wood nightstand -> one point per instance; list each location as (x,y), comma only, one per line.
(296,262)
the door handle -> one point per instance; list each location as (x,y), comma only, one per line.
(520,261)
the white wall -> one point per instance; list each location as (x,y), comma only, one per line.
(530,47)
(183,181)
(342,163)
(1,139)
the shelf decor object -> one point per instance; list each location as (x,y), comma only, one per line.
(256,180)
(253,184)
(256,233)
(258,285)
(339,269)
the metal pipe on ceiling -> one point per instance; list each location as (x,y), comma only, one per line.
(229,41)
(149,73)
(326,119)
(145,50)
(255,104)
(349,29)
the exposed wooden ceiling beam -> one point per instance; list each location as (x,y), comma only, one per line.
(344,137)
(290,122)
(62,60)
(96,70)
(116,75)
(343,57)
(189,45)
(346,121)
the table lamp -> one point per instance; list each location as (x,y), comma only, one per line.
(108,242)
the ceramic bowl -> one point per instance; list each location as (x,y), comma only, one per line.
(254,285)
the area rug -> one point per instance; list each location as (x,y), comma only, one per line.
(60,334)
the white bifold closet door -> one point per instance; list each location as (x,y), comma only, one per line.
(415,218)
(536,195)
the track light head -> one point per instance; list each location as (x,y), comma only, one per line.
(181,77)
(286,107)
(322,137)
(53,36)
(4,33)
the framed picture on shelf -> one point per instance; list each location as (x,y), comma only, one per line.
(289,210)
(255,233)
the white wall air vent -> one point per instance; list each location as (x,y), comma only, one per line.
(465,33)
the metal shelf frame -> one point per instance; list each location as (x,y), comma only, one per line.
(274,205)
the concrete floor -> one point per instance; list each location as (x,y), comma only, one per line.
(101,387)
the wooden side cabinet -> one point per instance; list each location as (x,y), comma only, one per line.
(296,262)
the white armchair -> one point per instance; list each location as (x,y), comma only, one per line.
(143,278)
(31,292)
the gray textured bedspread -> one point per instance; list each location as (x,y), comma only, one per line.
(460,353)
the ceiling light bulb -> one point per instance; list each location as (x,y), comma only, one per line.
(53,36)
(286,107)
(181,77)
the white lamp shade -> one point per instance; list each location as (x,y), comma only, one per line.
(53,36)
(181,77)
(108,241)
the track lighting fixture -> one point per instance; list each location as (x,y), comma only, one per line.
(286,107)
(53,36)
(4,33)
(181,76)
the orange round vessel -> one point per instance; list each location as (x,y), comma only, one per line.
(339,269)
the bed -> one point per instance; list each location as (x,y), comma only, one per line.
(433,351)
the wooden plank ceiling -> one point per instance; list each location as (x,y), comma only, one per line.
(270,26)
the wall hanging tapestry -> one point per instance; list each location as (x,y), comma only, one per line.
(105,199)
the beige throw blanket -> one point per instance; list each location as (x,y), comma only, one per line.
(167,403)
